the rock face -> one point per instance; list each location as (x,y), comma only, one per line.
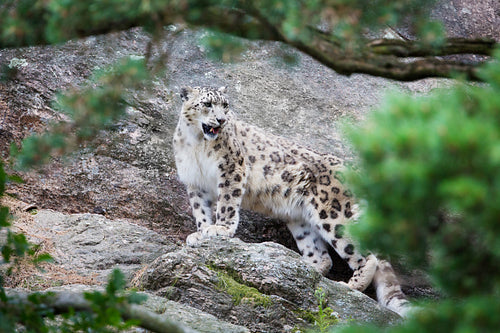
(91,244)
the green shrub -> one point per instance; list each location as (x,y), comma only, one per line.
(430,174)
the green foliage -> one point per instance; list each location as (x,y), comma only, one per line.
(39,21)
(107,313)
(15,25)
(324,317)
(37,149)
(32,314)
(222,46)
(102,103)
(14,247)
(430,177)
(91,109)
(28,22)
(346,18)
(432,34)
(332,31)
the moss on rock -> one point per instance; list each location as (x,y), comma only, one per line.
(240,292)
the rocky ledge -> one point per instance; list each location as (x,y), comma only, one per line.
(223,285)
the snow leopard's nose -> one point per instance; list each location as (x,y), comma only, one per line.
(221,121)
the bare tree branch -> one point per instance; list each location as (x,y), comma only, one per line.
(406,48)
(388,66)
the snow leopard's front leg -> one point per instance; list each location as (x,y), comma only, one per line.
(230,189)
(201,206)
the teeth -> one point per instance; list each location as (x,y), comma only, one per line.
(210,129)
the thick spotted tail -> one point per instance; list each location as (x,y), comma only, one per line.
(389,293)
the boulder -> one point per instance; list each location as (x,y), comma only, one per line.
(265,287)
(92,245)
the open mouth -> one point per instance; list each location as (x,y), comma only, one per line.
(210,130)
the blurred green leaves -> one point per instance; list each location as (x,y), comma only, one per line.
(106,309)
(106,313)
(221,46)
(31,22)
(432,34)
(13,248)
(439,152)
(103,102)
(430,174)
(90,109)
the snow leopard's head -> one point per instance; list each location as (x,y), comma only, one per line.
(206,108)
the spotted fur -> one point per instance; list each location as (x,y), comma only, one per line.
(228,164)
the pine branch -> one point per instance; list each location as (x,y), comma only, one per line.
(377,59)
(403,60)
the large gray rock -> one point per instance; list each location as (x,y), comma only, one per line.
(191,317)
(92,245)
(469,18)
(198,277)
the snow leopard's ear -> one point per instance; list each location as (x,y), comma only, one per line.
(222,89)
(185,92)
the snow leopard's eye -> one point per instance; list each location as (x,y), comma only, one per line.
(207,104)
(225,105)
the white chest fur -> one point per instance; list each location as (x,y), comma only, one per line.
(195,164)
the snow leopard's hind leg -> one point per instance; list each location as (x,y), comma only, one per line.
(313,248)
(389,293)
